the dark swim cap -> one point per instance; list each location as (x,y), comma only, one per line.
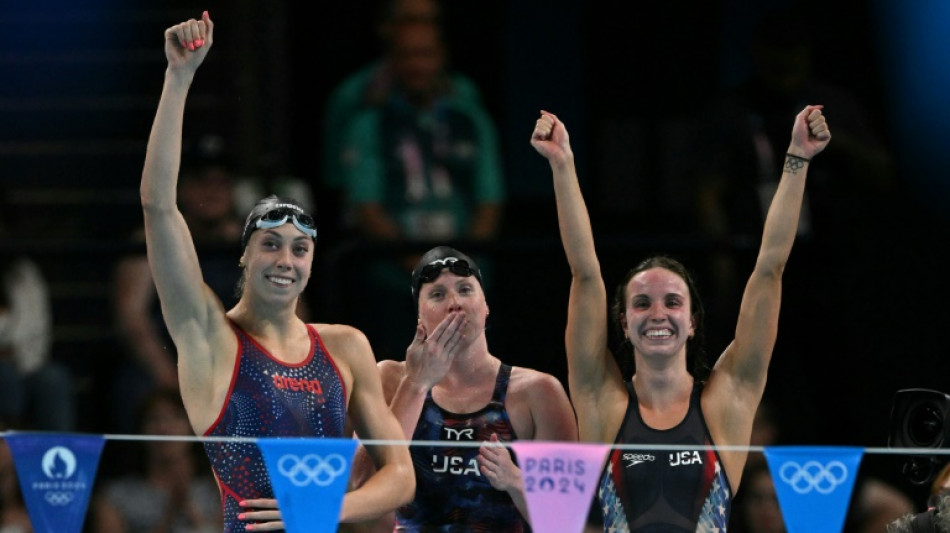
(437,259)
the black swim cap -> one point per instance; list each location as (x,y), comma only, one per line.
(435,260)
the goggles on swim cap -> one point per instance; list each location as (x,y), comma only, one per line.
(431,271)
(278,216)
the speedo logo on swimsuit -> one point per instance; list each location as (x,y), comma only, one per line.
(633,459)
(297,384)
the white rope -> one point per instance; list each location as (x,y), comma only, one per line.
(455,444)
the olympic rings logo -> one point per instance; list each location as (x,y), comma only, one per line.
(58,498)
(814,476)
(311,468)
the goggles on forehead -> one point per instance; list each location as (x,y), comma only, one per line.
(279,216)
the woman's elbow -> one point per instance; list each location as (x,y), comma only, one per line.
(771,265)
(407,485)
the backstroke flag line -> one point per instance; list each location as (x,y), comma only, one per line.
(814,485)
(560,479)
(309,476)
(56,474)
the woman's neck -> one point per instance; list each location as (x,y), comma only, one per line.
(260,318)
(657,388)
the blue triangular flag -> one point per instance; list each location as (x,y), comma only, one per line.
(814,485)
(56,474)
(309,476)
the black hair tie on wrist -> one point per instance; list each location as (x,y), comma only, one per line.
(805,159)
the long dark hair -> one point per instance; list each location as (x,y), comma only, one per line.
(695,346)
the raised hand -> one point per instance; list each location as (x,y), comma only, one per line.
(550,138)
(187,43)
(810,133)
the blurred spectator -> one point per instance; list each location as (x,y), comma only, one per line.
(757,509)
(934,520)
(372,84)
(756,504)
(206,198)
(170,491)
(940,486)
(936,517)
(874,504)
(36,392)
(14,518)
(423,166)
(765,432)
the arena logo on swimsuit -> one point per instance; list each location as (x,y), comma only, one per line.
(685,458)
(297,384)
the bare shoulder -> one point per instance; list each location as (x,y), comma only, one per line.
(328,330)
(539,407)
(350,350)
(342,340)
(391,368)
(391,373)
(533,383)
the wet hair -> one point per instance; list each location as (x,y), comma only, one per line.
(695,350)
